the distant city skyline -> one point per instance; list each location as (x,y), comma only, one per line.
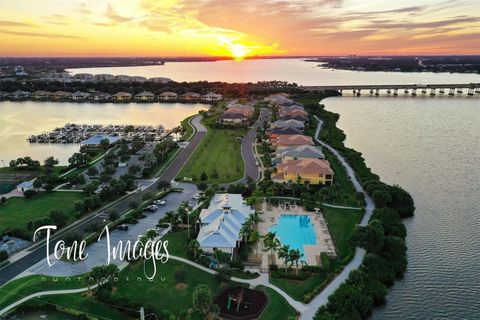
(238,28)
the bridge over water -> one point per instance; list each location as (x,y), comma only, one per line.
(393,89)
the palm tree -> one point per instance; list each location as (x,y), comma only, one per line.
(294,256)
(246,229)
(283,253)
(271,243)
(253,239)
(194,246)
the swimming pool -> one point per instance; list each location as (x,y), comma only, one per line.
(296,231)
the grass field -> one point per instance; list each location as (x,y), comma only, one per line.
(218,155)
(16,289)
(297,289)
(163,292)
(342,223)
(177,242)
(17,212)
(80,304)
(277,308)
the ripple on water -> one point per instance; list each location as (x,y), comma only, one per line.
(431,148)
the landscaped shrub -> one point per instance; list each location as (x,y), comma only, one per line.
(29,193)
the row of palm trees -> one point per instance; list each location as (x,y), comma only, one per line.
(289,256)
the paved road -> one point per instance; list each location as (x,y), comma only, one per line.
(249,162)
(37,253)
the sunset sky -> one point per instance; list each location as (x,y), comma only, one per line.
(237,28)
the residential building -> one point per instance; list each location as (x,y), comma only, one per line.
(58,76)
(84,77)
(160,80)
(304,171)
(277,98)
(145,96)
(100,96)
(122,78)
(289,123)
(221,223)
(138,79)
(292,112)
(298,152)
(104,77)
(294,140)
(19,94)
(19,71)
(40,94)
(236,114)
(122,96)
(62,95)
(299,117)
(190,96)
(167,96)
(78,95)
(212,97)
(276,132)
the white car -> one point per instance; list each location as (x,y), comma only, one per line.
(257,164)
(162,202)
(196,196)
(151,208)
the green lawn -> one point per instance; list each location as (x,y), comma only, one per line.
(177,242)
(77,304)
(163,292)
(297,289)
(17,212)
(218,155)
(277,308)
(16,289)
(187,127)
(341,223)
(9,170)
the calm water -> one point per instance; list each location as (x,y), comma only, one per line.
(19,120)
(291,70)
(431,147)
(295,231)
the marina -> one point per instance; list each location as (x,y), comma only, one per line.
(76,133)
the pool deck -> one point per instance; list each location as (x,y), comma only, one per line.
(312,252)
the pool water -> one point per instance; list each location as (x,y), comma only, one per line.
(296,231)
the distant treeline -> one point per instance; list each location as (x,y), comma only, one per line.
(452,64)
(234,90)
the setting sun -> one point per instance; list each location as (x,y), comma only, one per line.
(239,51)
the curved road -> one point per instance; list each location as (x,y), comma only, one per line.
(249,162)
(357,260)
(38,252)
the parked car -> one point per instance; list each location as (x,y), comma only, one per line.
(196,196)
(162,202)
(151,208)
(123,227)
(256,163)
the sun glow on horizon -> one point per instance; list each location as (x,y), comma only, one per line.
(239,51)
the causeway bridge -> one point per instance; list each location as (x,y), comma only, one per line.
(450,89)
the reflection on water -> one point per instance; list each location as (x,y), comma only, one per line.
(291,70)
(22,119)
(431,147)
